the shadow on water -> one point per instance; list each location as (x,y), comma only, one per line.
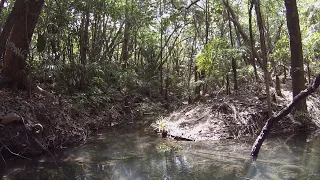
(138,155)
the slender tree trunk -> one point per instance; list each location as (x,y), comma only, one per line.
(70,50)
(228,85)
(309,72)
(202,75)
(84,44)
(190,63)
(25,15)
(161,51)
(297,71)
(264,54)
(84,37)
(233,61)
(252,41)
(126,38)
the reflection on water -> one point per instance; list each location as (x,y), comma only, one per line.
(137,155)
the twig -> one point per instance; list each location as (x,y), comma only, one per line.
(187,7)
(13,152)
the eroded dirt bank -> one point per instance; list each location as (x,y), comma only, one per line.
(65,120)
(242,114)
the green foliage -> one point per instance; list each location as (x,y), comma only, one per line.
(216,57)
(183,33)
(281,54)
(312,46)
(160,124)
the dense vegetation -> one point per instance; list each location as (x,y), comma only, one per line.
(164,50)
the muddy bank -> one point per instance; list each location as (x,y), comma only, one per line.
(231,117)
(65,120)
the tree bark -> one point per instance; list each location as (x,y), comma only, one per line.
(84,43)
(252,41)
(297,71)
(233,61)
(126,38)
(25,16)
(264,54)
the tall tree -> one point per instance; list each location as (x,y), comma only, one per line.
(264,54)
(253,61)
(297,72)
(126,37)
(233,61)
(25,15)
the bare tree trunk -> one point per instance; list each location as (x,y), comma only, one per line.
(25,16)
(202,74)
(228,85)
(84,43)
(297,72)
(196,78)
(309,71)
(252,41)
(233,61)
(190,63)
(161,52)
(84,37)
(126,38)
(278,86)
(264,54)
(70,50)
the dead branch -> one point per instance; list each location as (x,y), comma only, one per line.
(271,121)
(187,7)
(13,152)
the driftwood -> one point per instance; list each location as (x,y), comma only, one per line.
(271,121)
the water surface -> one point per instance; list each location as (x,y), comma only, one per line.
(139,155)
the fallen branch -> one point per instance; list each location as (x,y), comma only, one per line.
(271,121)
(13,152)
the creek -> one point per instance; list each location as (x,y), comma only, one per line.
(139,155)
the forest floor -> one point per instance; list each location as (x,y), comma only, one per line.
(242,114)
(70,119)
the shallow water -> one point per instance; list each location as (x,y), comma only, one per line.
(139,155)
